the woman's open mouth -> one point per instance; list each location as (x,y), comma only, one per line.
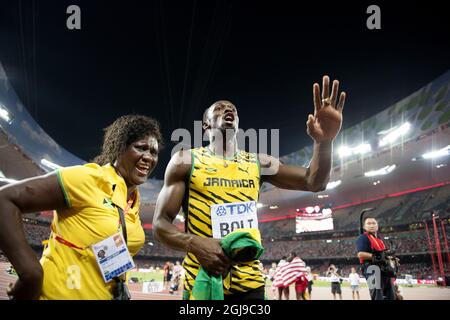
(142,169)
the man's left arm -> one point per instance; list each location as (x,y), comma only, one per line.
(322,127)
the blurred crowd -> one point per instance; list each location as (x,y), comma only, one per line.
(402,243)
(407,242)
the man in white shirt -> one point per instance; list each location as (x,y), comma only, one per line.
(354,283)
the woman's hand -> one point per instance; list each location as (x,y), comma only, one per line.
(28,286)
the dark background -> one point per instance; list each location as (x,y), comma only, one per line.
(172,59)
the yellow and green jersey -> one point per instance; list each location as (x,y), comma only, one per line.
(213,181)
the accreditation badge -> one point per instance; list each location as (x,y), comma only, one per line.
(113,257)
(228,217)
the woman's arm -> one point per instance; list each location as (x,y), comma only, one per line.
(30,195)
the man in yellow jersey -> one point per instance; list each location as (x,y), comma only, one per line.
(218,187)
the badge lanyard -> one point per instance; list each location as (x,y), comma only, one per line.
(73,246)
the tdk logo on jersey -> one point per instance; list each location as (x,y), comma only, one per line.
(234,209)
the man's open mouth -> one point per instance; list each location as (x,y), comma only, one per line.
(229,117)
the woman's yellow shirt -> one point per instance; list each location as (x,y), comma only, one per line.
(92,193)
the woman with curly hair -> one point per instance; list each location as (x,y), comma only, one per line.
(90,202)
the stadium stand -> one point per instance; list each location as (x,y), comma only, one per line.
(408,239)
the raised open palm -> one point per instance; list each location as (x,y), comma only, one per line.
(326,122)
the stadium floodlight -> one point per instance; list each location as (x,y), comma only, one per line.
(273,207)
(4,114)
(344,151)
(437,154)
(333,184)
(380,172)
(363,148)
(50,164)
(394,134)
(259,205)
(309,209)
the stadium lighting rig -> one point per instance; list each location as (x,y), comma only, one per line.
(5,114)
(380,172)
(333,184)
(363,148)
(437,154)
(394,134)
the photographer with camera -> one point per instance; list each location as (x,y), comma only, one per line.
(372,252)
(336,281)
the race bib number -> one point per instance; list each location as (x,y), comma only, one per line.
(228,217)
(113,257)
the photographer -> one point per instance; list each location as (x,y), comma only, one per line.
(335,281)
(372,252)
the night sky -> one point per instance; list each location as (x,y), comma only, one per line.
(172,59)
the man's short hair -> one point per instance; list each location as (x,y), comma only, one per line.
(205,114)
(365,219)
